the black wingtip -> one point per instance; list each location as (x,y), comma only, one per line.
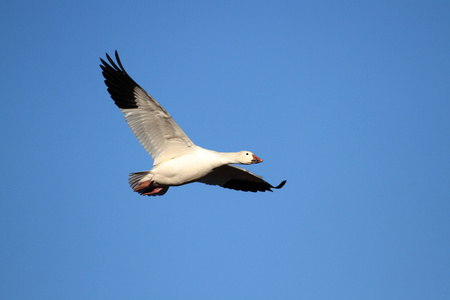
(120,85)
(280,185)
(118,61)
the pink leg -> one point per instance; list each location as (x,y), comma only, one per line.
(143,185)
(156,190)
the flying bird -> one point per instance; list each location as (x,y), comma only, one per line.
(177,160)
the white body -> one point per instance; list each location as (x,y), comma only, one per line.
(177,160)
(186,168)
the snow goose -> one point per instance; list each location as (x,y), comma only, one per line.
(177,160)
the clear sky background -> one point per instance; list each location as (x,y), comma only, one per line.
(349,101)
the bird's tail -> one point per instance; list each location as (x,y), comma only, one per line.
(137,178)
(142,183)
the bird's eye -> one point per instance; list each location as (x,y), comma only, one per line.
(246,153)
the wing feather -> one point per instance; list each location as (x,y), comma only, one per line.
(153,126)
(236,178)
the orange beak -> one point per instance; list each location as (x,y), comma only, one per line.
(256,160)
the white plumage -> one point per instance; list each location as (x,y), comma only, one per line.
(177,160)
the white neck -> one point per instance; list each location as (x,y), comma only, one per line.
(230,157)
(219,158)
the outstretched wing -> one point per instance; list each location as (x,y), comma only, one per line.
(232,177)
(153,126)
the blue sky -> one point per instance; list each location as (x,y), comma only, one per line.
(349,101)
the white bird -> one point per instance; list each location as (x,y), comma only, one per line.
(177,160)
